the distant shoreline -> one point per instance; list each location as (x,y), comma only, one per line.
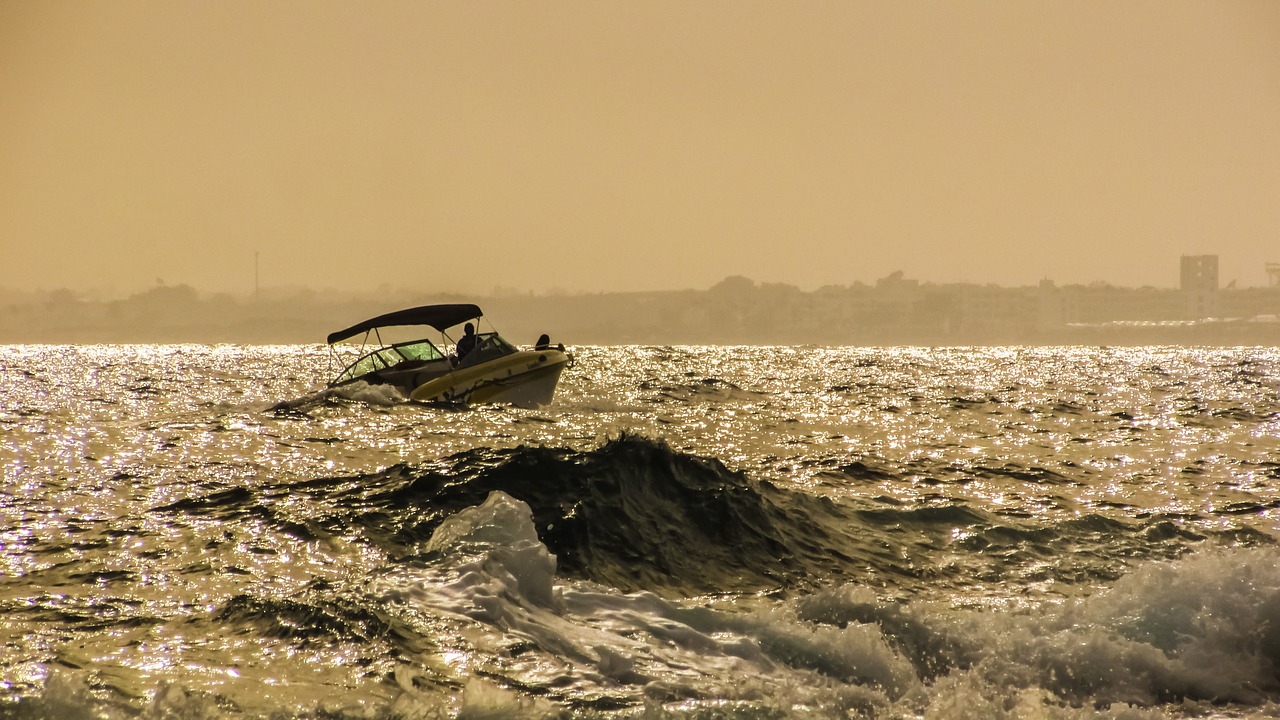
(737,311)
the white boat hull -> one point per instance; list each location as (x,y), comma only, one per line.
(526,379)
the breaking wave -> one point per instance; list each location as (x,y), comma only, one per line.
(636,514)
(1196,631)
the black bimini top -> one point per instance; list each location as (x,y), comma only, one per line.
(440,317)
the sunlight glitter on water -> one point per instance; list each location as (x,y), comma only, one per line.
(951,476)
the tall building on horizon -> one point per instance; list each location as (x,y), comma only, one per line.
(1200,285)
(1199,272)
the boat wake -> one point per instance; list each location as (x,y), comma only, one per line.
(360,392)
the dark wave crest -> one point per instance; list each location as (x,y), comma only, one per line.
(634,514)
(637,514)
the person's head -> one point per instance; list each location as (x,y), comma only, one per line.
(468,329)
(544,339)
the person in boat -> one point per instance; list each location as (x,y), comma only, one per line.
(467,342)
(544,343)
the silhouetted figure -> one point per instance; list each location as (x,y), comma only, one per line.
(467,342)
(544,342)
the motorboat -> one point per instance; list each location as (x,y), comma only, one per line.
(476,368)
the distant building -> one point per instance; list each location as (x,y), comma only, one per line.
(1200,285)
(1199,272)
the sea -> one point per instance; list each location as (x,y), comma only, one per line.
(206,531)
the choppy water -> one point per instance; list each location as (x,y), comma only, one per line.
(705,532)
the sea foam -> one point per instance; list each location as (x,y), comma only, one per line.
(1195,630)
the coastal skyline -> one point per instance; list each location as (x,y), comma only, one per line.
(64,293)
(894,310)
(634,147)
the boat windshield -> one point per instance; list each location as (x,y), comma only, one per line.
(389,357)
(488,346)
(419,350)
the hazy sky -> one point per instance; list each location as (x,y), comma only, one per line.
(634,145)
